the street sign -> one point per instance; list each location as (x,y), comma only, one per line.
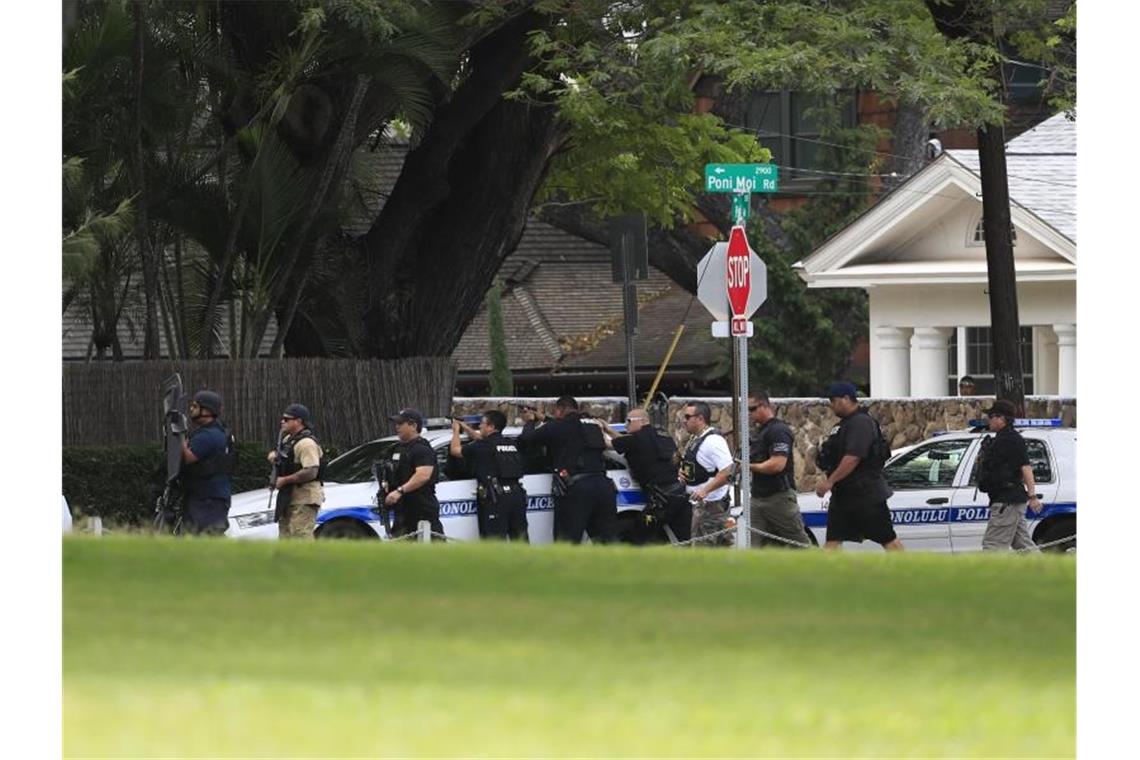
(712,283)
(723,329)
(628,248)
(738,282)
(741,207)
(741,178)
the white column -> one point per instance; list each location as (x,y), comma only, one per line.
(963,354)
(1066,359)
(929,362)
(1044,360)
(890,362)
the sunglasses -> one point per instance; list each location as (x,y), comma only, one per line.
(690,416)
(287,418)
(753,408)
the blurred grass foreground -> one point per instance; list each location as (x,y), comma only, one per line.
(220,648)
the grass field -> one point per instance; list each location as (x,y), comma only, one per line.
(220,648)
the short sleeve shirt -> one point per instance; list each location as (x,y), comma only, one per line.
(1009,454)
(204,443)
(714,456)
(773,439)
(307,453)
(641,451)
(417,453)
(480,456)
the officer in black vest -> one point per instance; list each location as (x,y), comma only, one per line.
(1006,475)
(775,508)
(208,461)
(853,457)
(498,470)
(652,459)
(585,500)
(413,499)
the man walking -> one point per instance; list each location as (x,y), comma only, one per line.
(416,474)
(300,463)
(1005,474)
(774,506)
(705,468)
(853,457)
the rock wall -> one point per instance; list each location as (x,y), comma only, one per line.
(905,421)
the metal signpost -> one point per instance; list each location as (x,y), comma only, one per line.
(628,245)
(732,283)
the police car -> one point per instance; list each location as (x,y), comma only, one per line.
(350,494)
(937,506)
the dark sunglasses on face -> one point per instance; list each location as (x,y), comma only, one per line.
(287,418)
(753,408)
(689,416)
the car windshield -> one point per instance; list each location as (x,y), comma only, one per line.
(355,465)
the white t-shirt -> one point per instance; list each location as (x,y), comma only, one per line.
(714,456)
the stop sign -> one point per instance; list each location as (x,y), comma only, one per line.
(738,276)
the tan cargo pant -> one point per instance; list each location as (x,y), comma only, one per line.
(1007,528)
(298,521)
(708,518)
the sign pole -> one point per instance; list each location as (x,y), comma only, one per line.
(744,524)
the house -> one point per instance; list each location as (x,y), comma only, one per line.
(920,255)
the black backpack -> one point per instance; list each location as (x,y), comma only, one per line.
(987,479)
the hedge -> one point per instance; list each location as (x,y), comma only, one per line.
(121,483)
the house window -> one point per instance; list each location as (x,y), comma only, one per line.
(979,362)
(979,235)
(790,124)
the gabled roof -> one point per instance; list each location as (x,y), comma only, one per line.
(922,231)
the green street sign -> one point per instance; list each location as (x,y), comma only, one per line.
(741,207)
(741,178)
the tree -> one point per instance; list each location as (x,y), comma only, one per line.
(986,26)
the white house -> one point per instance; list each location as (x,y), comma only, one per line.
(920,254)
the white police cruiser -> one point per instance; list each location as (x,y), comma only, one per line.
(350,494)
(937,506)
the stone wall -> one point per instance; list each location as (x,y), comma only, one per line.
(905,421)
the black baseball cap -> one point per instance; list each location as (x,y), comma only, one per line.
(409,415)
(1001,408)
(300,411)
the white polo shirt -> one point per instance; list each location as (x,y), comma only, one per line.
(714,456)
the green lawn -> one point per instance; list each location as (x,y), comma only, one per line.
(214,647)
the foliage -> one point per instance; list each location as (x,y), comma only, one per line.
(502,384)
(121,483)
(585,652)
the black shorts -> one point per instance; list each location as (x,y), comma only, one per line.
(856,521)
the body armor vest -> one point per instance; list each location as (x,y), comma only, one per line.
(693,472)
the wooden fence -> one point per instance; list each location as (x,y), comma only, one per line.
(350,399)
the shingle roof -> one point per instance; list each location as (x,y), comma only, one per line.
(1042,169)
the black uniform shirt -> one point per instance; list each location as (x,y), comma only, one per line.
(416,453)
(564,441)
(641,450)
(859,431)
(1008,454)
(480,456)
(774,438)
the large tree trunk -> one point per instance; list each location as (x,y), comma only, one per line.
(459,205)
(1008,380)
(151,347)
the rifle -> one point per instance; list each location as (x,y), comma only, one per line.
(385,472)
(168,508)
(273,477)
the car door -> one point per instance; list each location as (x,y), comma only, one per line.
(971,506)
(455,489)
(923,480)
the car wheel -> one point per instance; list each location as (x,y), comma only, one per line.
(345,528)
(1056,531)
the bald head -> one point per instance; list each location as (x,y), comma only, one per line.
(636,419)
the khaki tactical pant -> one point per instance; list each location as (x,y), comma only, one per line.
(779,514)
(298,521)
(1007,528)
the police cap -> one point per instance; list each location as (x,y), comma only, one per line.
(841,389)
(299,411)
(1001,408)
(413,416)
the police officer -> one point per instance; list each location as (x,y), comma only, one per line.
(853,457)
(498,470)
(299,462)
(208,460)
(585,500)
(414,498)
(652,459)
(1006,475)
(705,469)
(774,507)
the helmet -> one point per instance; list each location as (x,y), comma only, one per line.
(210,401)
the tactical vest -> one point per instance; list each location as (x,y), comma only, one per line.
(286,461)
(592,439)
(222,463)
(508,461)
(404,468)
(831,450)
(694,473)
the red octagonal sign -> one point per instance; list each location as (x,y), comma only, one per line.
(738,278)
